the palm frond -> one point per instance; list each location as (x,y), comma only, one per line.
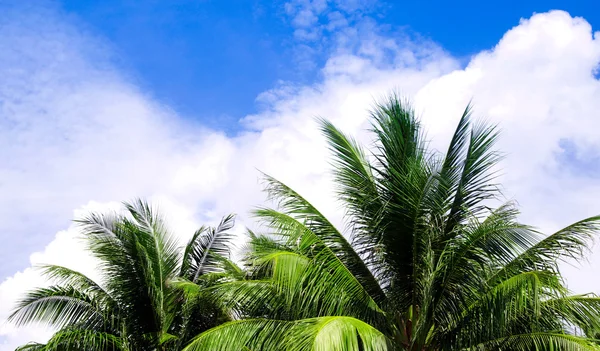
(63,276)
(137,256)
(32,346)
(57,306)
(320,334)
(357,189)
(570,242)
(540,341)
(463,261)
(450,169)
(579,311)
(157,241)
(76,340)
(206,246)
(326,276)
(475,183)
(187,259)
(250,299)
(405,181)
(500,310)
(294,205)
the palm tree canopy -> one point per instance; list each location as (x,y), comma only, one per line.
(425,264)
(430,260)
(134,306)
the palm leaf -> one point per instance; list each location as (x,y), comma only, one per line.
(475,183)
(76,340)
(324,333)
(294,205)
(539,341)
(206,246)
(58,307)
(325,269)
(567,243)
(357,189)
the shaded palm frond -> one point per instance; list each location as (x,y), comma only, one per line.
(539,341)
(570,242)
(77,339)
(206,246)
(57,306)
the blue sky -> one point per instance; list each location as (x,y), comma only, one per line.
(182,102)
(209,59)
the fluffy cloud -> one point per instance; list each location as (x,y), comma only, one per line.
(75,130)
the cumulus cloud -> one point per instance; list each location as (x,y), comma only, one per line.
(328,27)
(76,130)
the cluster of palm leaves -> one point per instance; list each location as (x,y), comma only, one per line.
(136,305)
(424,263)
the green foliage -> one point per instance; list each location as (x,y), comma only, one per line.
(425,264)
(318,334)
(136,305)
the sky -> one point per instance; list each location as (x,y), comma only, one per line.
(182,102)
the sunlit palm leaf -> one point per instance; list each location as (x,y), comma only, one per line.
(325,333)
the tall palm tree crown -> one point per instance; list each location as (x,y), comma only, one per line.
(425,263)
(134,306)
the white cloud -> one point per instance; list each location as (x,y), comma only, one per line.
(326,26)
(76,131)
(538,84)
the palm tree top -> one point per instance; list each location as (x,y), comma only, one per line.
(136,304)
(425,262)
(430,259)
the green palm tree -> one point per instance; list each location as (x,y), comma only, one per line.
(428,265)
(133,306)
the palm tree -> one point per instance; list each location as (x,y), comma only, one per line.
(428,265)
(133,306)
